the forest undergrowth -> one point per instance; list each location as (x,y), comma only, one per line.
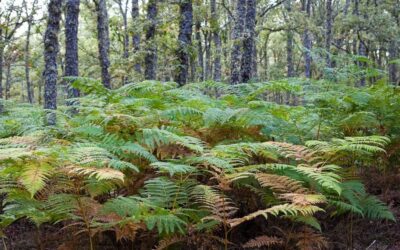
(288,164)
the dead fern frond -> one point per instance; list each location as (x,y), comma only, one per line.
(220,207)
(263,241)
(296,152)
(284,209)
(304,199)
(308,239)
(165,243)
(98,173)
(280,183)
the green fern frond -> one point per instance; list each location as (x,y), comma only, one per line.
(172,168)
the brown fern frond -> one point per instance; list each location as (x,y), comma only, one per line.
(263,241)
(280,183)
(221,207)
(304,199)
(26,141)
(308,239)
(296,152)
(165,243)
(98,173)
(128,230)
(284,209)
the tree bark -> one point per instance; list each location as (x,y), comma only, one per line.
(123,10)
(27,63)
(1,64)
(393,67)
(249,42)
(51,49)
(207,43)
(307,42)
(136,34)
(151,47)
(237,35)
(71,43)
(200,57)
(217,42)
(8,80)
(361,50)
(289,43)
(328,32)
(103,39)
(185,40)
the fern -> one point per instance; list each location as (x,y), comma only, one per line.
(263,241)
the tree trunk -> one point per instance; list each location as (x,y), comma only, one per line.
(217,42)
(123,10)
(1,65)
(29,87)
(236,35)
(8,80)
(361,50)
(328,32)
(185,40)
(151,47)
(307,42)
(103,41)
(249,42)
(289,43)
(71,43)
(136,34)
(393,67)
(51,48)
(199,52)
(207,43)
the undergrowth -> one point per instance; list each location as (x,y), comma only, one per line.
(193,166)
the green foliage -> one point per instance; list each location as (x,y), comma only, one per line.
(184,162)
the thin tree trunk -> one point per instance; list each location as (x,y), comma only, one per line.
(71,43)
(362,49)
(136,34)
(393,67)
(217,42)
(103,40)
(151,47)
(255,60)
(27,63)
(237,35)
(185,40)
(1,65)
(207,43)
(199,52)
(289,43)
(328,32)
(123,9)
(307,42)
(249,42)
(193,64)
(8,80)
(51,49)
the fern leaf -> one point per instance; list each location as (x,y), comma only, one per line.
(98,173)
(34,176)
(263,241)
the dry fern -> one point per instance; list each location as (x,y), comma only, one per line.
(307,239)
(263,241)
(280,183)
(98,173)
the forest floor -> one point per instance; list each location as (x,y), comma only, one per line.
(345,232)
